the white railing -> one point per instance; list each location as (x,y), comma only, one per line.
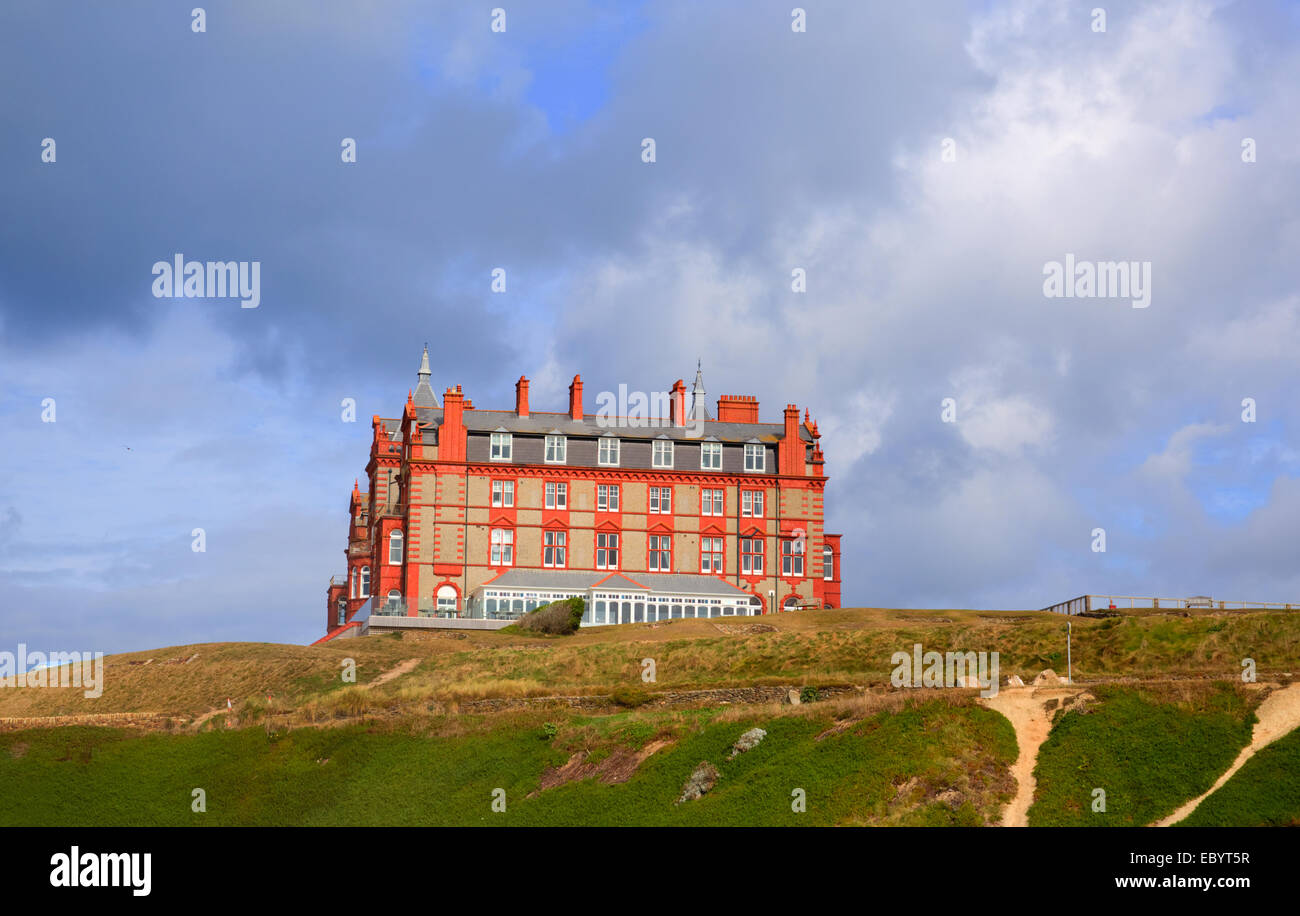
(1087,603)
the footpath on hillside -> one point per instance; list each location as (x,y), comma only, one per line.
(1278,715)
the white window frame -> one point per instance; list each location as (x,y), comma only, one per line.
(792,557)
(711,554)
(712,501)
(363,590)
(660,553)
(661,501)
(659,450)
(713,451)
(556,495)
(607,556)
(751,562)
(557,449)
(398,541)
(353,577)
(554,548)
(755,458)
(751,503)
(501,447)
(828,564)
(503,547)
(607,452)
(503,494)
(607,497)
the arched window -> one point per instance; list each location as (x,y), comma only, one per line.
(353,577)
(446,599)
(365,582)
(342,612)
(828,564)
(790,603)
(395,549)
(394,598)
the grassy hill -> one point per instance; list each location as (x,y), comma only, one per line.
(1148,749)
(818,648)
(1264,792)
(934,762)
(569,731)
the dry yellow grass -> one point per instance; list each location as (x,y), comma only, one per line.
(814,647)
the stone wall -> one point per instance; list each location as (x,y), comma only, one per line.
(149,720)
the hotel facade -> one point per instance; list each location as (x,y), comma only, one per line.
(471,518)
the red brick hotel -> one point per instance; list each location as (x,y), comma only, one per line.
(473,517)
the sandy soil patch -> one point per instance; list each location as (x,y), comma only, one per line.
(1278,715)
(1029,710)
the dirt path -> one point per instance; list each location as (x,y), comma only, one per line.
(1029,710)
(404,668)
(208,715)
(1278,715)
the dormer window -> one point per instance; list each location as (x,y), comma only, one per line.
(662,453)
(755,458)
(608,451)
(502,447)
(711,456)
(557,448)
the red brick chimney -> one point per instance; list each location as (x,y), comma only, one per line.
(575,398)
(451,438)
(790,455)
(521,397)
(677,403)
(737,408)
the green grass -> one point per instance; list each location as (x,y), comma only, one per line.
(1149,752)
(1264,792)
(935,763)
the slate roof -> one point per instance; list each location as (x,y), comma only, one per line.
(539,423)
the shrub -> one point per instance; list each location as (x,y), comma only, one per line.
(559,618)
(251,710)
(808,695)
(549,731)
(631,696)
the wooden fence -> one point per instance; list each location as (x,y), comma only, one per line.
(1086,604)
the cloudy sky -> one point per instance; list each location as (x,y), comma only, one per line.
(921,162)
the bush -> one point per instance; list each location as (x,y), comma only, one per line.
(808,695)
(631,697)
(549,731)
(559,618)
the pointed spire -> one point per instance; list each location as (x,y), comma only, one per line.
(699,407)
(424,396)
